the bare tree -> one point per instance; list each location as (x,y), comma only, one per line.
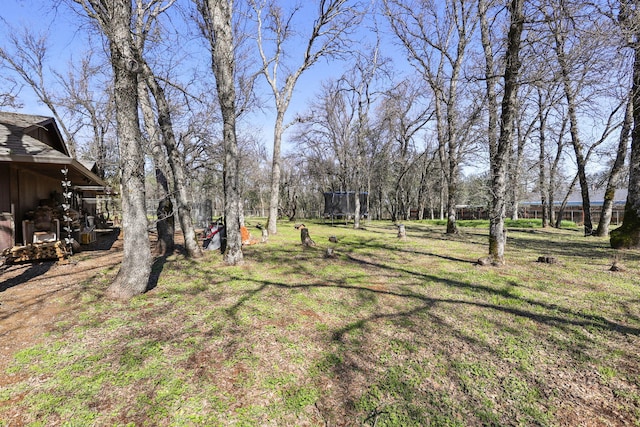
(326,135)
(359,82)
(174,156)
(26,55)
(9,94)
(218,27)
(582,59)
(499,152)
(114,17)
(436,38)
(615,173)
(89,107)
(332,23)
(165,224)
(145,21)
(404,115)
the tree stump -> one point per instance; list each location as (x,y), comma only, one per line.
(402,233)
(305,238)
(616,266)
(484,261)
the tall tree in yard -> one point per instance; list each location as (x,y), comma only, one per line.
(436,37)
(333,21)
(500,149)
(165,224)
(628,235)
(114,19)
(146,16)
(615,173)
(176,163)
(218,28)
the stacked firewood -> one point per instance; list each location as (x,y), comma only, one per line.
(37,251)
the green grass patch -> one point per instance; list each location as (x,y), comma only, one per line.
(510,223)
(387,333)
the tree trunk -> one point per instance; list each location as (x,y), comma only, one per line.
(553,172)
(176,163)
(628,234)
(274,199)
(515,172)
(165,224)
(133,277)
(616,171)
(452,190)
(500,158)
(220,14)
(573,131)
(542,159)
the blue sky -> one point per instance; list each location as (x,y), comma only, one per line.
(67,38)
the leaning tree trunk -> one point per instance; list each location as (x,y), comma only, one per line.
(628,234)
(177,165)
(165,224)
(581,162)
(616,171)
(133,277)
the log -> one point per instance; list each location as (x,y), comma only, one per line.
(37,251)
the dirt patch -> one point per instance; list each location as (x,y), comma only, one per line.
(36,296)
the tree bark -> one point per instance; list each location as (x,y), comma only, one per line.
(573,129)
(274,198)
(175,162)
(133,277)
(218,16)
(165,224)
(500,159)
(628,234)
(616,171)
(542,159)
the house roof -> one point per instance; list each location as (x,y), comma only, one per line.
(596,197)
(21,143)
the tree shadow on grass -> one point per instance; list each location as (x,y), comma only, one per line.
(156,270)
(570,318)
(423,317)
(32,270)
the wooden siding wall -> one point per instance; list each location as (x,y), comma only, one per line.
(33,188)
(5,188)
(25,190)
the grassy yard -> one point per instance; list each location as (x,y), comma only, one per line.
(387,333)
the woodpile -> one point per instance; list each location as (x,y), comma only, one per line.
(37,251)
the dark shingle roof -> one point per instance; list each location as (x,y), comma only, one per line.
(17,144)
(34,142)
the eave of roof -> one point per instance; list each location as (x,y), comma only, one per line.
(16,146)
